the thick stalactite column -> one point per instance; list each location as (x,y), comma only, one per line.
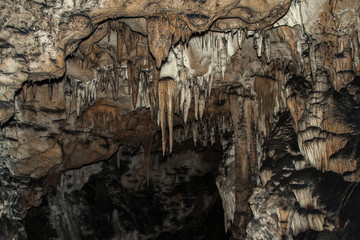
(242,112)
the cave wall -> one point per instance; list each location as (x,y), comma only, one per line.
(275,83)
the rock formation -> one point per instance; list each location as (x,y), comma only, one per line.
(200,119)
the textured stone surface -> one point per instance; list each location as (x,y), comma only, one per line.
(274,84)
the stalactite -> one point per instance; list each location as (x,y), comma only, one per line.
(115,80)
(186,131)
(134,73)
(146,89)
(156,77)
(212,133)
(101,77)
(202,102)
(240,37)
(187,101)
(258,43)
(249,33)
(159,37)
(181,31)
(118,158)
(50,90)
(166,95)
(25,91)
(162,108)
(147,155)
(299,54)
(211,79)
(207,42)
(68,95)
(93,89)
(205,133)
(135,41)
(141,101)
(196,101)
(151,99)
(111,81)
(106,79)
(33,90)
(128,38)
(78,97)
(267,47)
(312,59)
(108,30)
(170,96)
(223,58)
(195,132)
(119,45)
(354,45)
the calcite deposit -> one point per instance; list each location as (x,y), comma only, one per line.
(200,119)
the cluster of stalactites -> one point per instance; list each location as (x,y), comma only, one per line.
(173,99)
(80,91)
(191,68)
(194,63)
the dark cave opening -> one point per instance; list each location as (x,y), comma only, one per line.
(180,201)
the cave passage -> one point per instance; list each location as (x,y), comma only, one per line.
(116,199)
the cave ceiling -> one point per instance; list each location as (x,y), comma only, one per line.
(79,78)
